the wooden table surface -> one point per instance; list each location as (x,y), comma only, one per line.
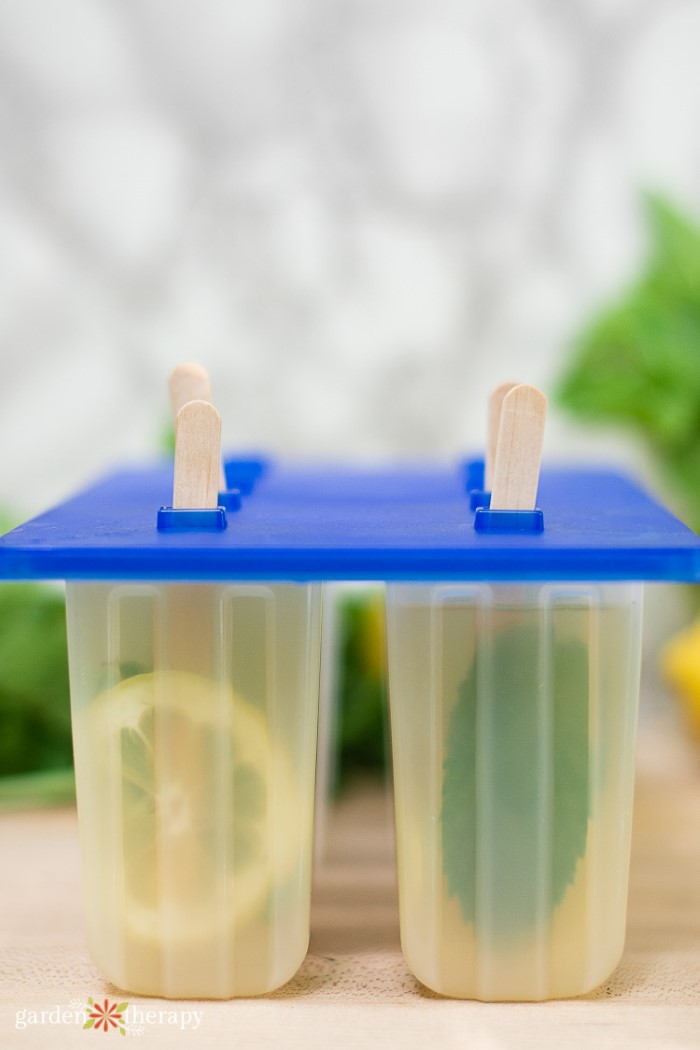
(354,990)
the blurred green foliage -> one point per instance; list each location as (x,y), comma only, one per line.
(362,727)
(34,695)
(36,758)
(35,739)
(638,362)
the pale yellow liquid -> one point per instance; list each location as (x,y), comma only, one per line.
(568,947)
(172,909)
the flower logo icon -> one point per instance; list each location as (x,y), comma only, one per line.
(107,1016)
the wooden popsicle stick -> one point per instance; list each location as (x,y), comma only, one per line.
(191,616)
(197,456)
(519,449)
(494,421)
(190,382)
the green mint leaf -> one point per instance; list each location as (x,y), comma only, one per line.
(513,708)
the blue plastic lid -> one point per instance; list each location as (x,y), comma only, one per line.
(302,523)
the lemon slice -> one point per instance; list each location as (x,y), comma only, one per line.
(210,814)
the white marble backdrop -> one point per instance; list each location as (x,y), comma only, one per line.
(359,214)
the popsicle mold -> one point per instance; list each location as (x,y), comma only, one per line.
(513,687)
